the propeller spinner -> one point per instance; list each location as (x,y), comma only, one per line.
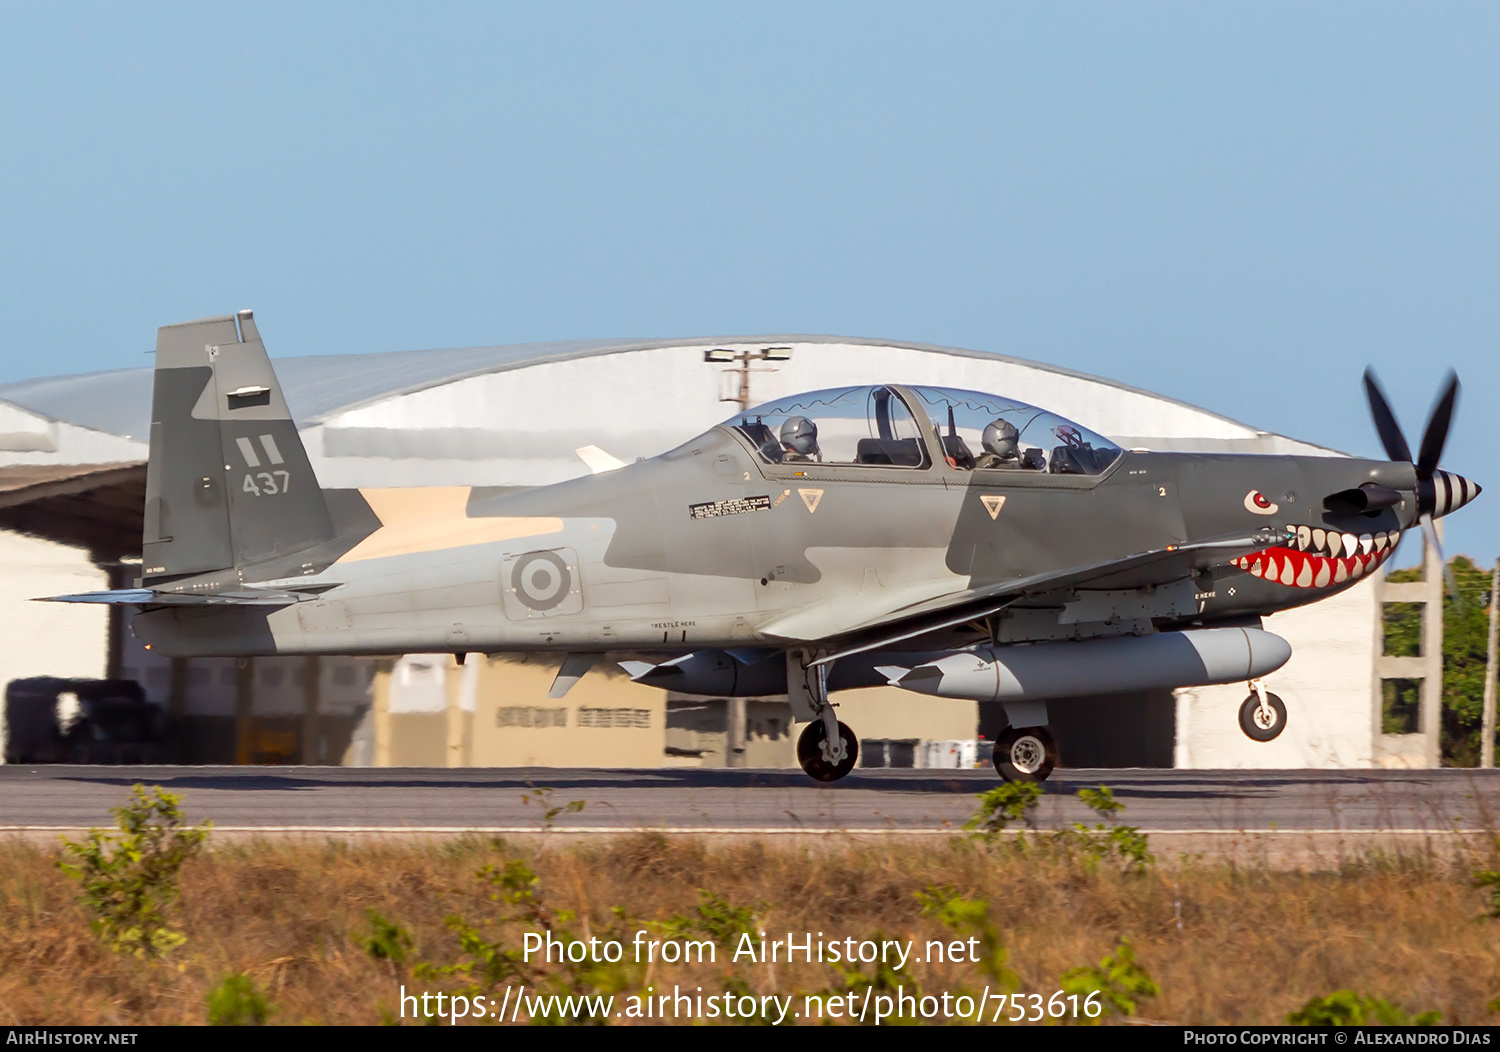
(1438,492)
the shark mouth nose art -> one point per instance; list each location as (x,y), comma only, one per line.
(1314,557)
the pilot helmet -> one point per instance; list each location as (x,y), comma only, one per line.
(800,435)
(1000,439)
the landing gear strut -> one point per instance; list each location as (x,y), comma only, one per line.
(1262,714)
(1025,754)
(827,749)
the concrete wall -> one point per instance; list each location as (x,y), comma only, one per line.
(494,712)
(48,639)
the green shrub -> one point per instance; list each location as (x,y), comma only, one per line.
(1115,984)
(1106,839)
(1348,1008)
(1002,805)
(387,941)
(237,1001)
(130,878)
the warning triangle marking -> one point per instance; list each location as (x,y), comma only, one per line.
(810,497)
(992,503)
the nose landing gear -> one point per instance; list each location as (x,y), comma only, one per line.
(1262,714)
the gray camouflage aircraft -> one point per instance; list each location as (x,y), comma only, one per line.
(947,542)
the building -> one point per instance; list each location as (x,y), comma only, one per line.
(72,453)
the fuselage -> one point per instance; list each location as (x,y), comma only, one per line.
(713,546)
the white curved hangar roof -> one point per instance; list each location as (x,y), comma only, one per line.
(514,415)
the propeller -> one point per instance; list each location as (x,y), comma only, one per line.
(1428,476)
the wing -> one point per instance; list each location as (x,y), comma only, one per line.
(888,627)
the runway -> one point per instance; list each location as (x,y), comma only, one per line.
(341,799)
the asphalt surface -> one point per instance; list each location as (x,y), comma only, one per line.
(427,799)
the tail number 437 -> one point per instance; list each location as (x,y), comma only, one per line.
(266,483)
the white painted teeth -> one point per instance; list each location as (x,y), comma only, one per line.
(1331,545)
(1333,558)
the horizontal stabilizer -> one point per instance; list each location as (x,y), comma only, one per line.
(151,597)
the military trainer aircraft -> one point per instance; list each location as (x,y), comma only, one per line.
(950,543)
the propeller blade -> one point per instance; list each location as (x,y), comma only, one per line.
(1430,532)
(1437,429)
(1385,421)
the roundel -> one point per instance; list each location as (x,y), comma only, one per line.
(541,580)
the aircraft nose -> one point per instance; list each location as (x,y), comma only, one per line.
(1451,492)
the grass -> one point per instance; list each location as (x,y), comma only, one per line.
(1226,943)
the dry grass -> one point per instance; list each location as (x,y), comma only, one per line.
(1227,943)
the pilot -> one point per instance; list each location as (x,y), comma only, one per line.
(1001,446)
(799,439)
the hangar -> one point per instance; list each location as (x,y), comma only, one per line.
(72,471)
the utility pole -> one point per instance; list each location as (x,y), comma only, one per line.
(1487,734)
(742,374)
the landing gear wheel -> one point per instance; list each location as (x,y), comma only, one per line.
(810,752)
(1025,755)
(1258,723)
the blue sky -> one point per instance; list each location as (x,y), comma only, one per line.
(1237,205)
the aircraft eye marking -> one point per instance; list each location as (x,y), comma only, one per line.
(1258,503)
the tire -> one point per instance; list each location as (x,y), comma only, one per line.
(1251,722)
(810,752)
(1025,755)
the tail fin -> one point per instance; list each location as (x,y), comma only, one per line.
(229,484)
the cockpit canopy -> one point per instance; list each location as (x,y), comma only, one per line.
(874,426)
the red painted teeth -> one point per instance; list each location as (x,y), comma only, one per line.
(1317,558)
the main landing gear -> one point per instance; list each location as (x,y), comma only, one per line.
(816,758)
(826,749)
(1262,714)
(1025,754)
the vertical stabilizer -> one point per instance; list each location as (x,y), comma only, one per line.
(229,484)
